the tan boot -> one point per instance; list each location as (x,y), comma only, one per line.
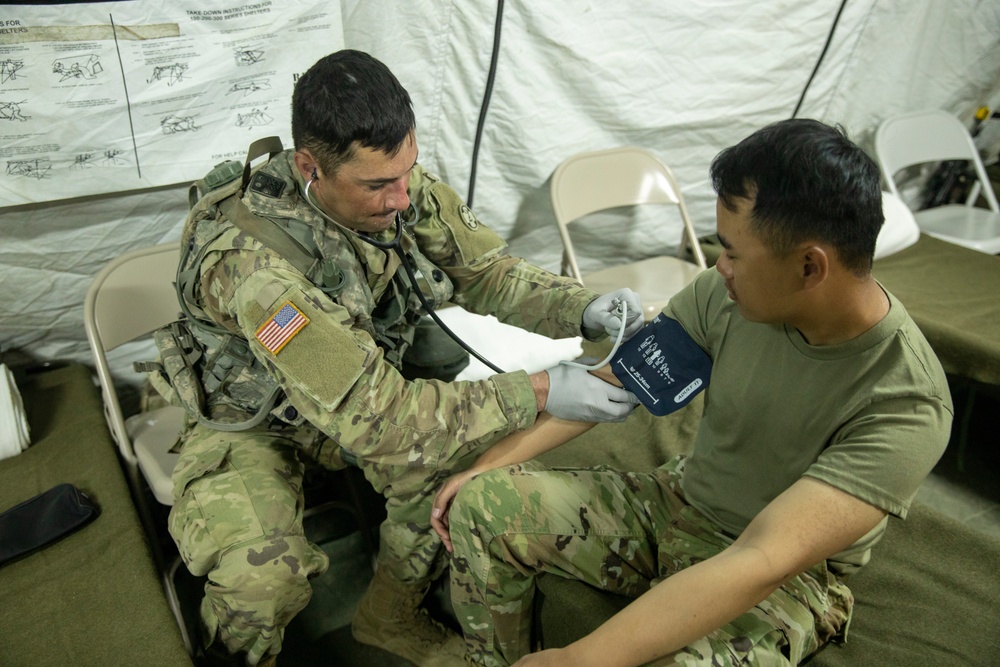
(389,616)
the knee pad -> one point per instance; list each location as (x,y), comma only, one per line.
(257,588)
(217,512)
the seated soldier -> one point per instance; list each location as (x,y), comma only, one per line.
(326,342)
(826,409)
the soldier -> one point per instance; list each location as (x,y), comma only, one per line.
(316,358)
(826,410)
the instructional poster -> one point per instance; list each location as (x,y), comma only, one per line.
(105,97)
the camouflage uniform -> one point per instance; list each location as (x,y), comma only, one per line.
(237,515)
(622,532)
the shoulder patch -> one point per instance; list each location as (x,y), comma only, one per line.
(267,185)
(468,217)
(281,327)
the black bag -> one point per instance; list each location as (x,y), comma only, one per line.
(42,520)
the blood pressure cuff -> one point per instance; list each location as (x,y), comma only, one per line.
(42,520)
(663,366)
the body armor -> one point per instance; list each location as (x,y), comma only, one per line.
(207,366)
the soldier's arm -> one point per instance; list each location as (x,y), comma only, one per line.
(805,525)
(487,281)
(335,376)
(544,435)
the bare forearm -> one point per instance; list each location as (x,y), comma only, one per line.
(676,612)
(547,433)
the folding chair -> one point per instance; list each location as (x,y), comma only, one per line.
(933,136)
(900,230)
(595,181)
(129,298)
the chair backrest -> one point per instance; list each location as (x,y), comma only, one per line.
(598,180)
(129,298)
(926,136)
(900,230)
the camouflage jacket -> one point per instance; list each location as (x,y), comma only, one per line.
(322,346)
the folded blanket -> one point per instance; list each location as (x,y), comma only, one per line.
(14,437)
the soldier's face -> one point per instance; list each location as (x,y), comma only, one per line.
(368,190)
(763,285)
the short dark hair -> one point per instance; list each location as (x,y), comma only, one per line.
(807,182)
(348,98)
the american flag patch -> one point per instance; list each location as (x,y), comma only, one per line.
(281,327)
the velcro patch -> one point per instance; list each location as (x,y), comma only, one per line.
(281,327)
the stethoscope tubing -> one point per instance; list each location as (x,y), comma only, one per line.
(394,245)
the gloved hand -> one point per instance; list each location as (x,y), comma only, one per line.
(577,395)
(602,313)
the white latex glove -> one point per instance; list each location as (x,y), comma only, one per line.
(577,395)
(602,313)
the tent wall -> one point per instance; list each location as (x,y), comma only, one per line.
(684,79)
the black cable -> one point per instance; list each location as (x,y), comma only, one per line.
(829,38)
(486,101)
(434,316)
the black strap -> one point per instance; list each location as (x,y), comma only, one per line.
(270,145)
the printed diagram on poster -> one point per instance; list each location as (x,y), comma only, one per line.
(120,96)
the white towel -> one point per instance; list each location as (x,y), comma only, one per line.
(13,423)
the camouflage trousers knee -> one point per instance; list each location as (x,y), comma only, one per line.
(409,549)
(621,532)
(237,517)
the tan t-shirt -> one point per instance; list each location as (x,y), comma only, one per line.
(870,416)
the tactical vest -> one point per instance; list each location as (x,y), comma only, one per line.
(209,369)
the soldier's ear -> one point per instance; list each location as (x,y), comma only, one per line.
(307,165)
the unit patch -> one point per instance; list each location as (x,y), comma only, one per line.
(267,185)
(281,327)
(468,217)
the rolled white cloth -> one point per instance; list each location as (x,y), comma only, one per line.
(14,437)
(506,346)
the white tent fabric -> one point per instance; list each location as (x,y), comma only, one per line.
(684,79)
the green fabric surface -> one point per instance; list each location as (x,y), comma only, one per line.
(93,598)
(953,294)
(930,596)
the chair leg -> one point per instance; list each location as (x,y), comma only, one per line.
(170,588)
(136,484)
(167,570)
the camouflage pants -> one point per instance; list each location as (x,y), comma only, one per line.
(621,532)
(237,518)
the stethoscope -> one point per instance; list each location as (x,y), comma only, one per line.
(394,245)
